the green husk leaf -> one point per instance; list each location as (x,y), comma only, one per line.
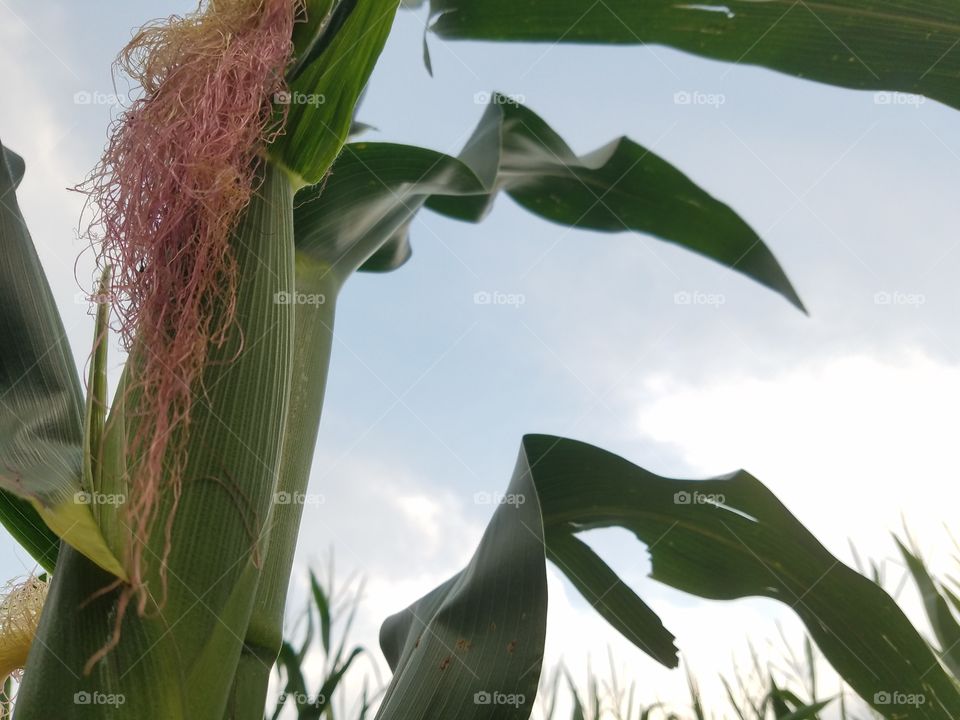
(178,660)
(41,405)
(337,59)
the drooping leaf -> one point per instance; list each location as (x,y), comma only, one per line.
(610,597)
(729,538)
(892,45)
(363,211)
(472,649)
(724,539)
(360,218)
(41,404)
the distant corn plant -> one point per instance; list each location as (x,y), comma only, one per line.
(326,625)
(787,687)
(227,212)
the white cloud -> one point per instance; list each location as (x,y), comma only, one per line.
(849,444)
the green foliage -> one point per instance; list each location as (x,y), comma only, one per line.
(940,605)
(337,52)
(41,426)
(169,663)
(723,539)
(896,45)
(482,633)
(360,217)
(472,648)
(324,608)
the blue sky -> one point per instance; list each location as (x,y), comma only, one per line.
(846,413)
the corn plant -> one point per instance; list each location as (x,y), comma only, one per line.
(227,213)
(325,632)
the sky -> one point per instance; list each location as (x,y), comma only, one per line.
(847,414)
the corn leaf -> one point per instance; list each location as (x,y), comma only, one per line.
(41,405)
(96,407)
(361,217)
(337,59)
(178,661)
(941,616)
(312,32)
(893,45)
(472,649)
(723,539)
(23,522)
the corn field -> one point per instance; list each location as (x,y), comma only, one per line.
(233,201)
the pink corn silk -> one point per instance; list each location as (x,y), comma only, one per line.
(177,172)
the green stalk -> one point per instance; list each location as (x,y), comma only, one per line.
(313,340)
(178,663)
(321,270)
